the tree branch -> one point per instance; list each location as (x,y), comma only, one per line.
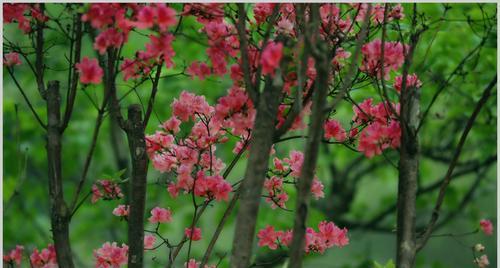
(447,179)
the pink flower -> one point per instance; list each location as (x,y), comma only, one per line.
(161,46)
(108,38)
(121,211)
(271,57)
(212,187)
(111,255)
(397,12)
(332,235)
(160,215)
(411,82)
(165,16)
(482,261)
(314,242)
(262,11)
(149,241)
(199,69)
(285,237)
(333,129)
(195,235)
(45,258)
(14,256)
(295,161)
(372,55)
(100,14)
(188,104)
(317,189)
(90,71)
(172,125)
(192,264)
(145,17)
(267,237)
(486,226)
(11,59)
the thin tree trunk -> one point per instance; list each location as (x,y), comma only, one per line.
(314,136)
(137,191)
(408,160)
(260,146)
(59,212)
(408,175)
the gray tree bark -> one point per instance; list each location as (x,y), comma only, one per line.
(251,187)
(59,211)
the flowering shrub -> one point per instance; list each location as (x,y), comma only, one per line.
(336,51)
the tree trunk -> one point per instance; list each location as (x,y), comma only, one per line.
(137,191)
(315,134)
(408,176)
(59,212)
(251,187)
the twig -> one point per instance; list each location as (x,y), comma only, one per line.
(435,215)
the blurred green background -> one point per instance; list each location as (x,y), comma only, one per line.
(372,182)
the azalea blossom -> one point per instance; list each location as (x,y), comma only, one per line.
(160,215)
(90,71)
(486,226)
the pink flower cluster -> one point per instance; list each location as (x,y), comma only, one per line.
(198,69)
(193,157)
(149,241)
(486,226)
(115,21)
(272,239)
(331,20)
(271,57)
(289,166)
(121,211)
(328,235)
(333,129)
(15,256)
(382,129)
(90,71)
(372,58)
(11,59)
(482,262)
(106,190)
(111,256)
(194,235)
(17,13)
(412,81)
(395,12)
(45,258)
(160,215)
(192,263)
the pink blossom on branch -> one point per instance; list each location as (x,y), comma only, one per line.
(121,211)
(482,262)
(111,256)
(372,58)
(160,215)
(90,71)
(11,59)
(486,226)
(46,258)
(271,57)
(412,81)
(333,129)
(329,235)
(194,235)
(14,256)
(149,241)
